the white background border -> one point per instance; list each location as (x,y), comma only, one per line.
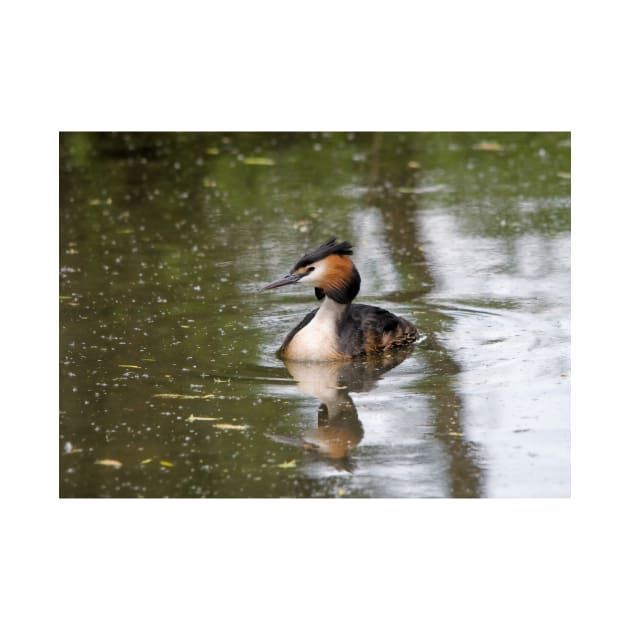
(295,66)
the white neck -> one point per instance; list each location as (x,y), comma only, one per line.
(318,340)
(331,309)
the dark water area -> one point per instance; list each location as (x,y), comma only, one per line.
(169,381)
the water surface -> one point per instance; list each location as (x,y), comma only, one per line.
(170,386)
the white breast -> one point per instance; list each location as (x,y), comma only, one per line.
(317,341)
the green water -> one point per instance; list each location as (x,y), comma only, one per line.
(169,382)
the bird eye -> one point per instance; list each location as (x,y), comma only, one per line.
(310,269)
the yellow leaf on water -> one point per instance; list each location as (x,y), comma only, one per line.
(192,418)
(163,462)
(291,464)
(184,396)
(146,461)
(237,427)
(258,161)
(488,146)
(213,151)
(133,367)
(114,463)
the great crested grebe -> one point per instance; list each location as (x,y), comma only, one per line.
(338,329)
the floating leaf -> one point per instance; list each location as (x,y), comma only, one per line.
(163,462)
(184,396)
(488,146)
(114,463)
(237,427)
(192,418)
(258,161)
(146,461)
(133,367)
(291,464)
(213,151)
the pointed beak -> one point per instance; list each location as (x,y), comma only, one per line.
(288,279)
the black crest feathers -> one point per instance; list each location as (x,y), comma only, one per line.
(331,246)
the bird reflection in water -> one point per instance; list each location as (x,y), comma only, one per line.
(339,429)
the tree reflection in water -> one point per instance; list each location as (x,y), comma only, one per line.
(403,235)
